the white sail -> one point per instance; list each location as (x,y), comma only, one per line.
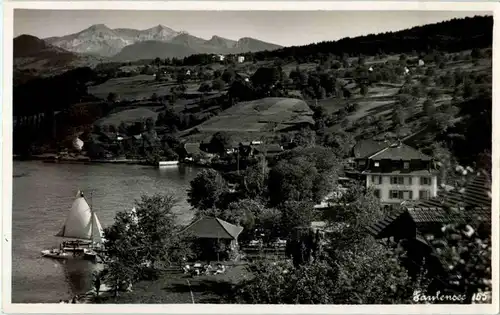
(97,231)
(79,221)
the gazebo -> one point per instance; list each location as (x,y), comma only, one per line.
(214,236)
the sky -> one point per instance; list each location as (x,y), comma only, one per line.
(286,28)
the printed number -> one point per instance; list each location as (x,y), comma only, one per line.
(481,297)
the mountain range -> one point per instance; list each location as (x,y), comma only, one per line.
(123,44)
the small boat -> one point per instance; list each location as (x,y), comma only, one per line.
(167,163)
(83,226)
(56,254)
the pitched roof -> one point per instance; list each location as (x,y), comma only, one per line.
(212,227)
(366,147)
(440,215)
(399,151)
(475,194)
(425,216)
(192,148)
(269,148)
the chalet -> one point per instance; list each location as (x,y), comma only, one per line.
(268,149)
(397,171)
(209,232)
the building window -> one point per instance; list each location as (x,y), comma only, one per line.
(394,194)
(376,180)
(406,165)
(377,164)
(424,194)
(376,192)
(425,181)
(397,180)
(409,180)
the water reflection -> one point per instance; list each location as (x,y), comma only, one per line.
(78,273)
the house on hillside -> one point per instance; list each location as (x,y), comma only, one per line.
(216,238)
(269,150)
(191,151)
(421,63)
(397,172)
(241,59)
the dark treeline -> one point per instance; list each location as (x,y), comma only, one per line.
(54,93)
(449,36)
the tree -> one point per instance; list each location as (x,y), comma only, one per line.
(255,180)
(303,174)
(433,94)
(398,117)
(228,75)
(292,180)
(158,230)
(112,97)
(150,124)
(428,108)
(220,142)
(205,87)
(218,84)
(364,90)
(207,190)
(341,142)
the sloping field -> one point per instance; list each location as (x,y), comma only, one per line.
(128,116)
(260,115)
(135,88)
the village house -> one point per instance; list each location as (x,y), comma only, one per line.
(241,59)
(212,232)
(397,172)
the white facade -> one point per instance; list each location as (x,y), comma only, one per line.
(398,188)
(241,59)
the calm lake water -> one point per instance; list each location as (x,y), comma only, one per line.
(42,196)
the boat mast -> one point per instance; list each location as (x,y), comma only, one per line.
(91,219)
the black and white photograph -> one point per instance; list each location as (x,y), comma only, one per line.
(315,157)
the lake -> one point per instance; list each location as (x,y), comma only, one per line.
(42,196)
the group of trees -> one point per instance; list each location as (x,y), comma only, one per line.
(139,245)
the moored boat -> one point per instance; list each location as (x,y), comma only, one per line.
(56,254)
(83,226)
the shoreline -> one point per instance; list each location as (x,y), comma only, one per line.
(52,158)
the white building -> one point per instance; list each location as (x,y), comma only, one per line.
(241,59)
(399,172)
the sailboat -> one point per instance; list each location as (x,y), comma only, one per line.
(83,226)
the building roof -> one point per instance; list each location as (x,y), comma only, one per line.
(440,215)
(269,148)
(399,151)
(212,227)
(192,148)
(475,194)
(367,147)
(453,207)
(402,172)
